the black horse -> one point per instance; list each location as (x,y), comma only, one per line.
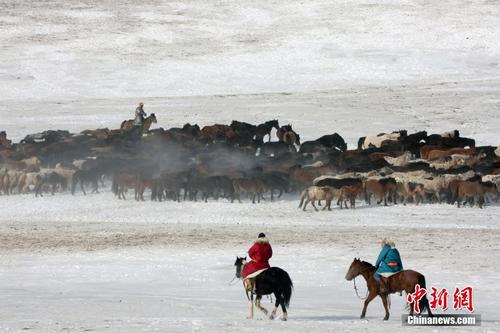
(455,142)
(83,177)
(332,141)
(265,129)
(272,281)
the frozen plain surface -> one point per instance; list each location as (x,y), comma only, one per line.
(356,68)
(359,67)
(166,266)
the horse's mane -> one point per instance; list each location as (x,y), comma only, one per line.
(366,263)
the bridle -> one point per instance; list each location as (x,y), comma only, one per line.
(241,264)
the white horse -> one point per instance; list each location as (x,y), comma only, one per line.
(313,193)
(401,160)
(376,140)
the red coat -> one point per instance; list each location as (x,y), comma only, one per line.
(259,253)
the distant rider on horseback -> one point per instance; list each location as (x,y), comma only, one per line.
(388,263)
(260,253)
(139,115)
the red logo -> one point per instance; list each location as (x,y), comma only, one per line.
(415,297)
(462,298)
(439,299)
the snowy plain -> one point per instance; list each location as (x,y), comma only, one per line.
(93,263)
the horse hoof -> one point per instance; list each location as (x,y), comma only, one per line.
(271,317)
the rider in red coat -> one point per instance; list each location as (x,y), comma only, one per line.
(260,253)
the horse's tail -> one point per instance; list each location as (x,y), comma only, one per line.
(423,303)
(302,197)
(287,289)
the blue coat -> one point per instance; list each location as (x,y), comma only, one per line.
(389,261)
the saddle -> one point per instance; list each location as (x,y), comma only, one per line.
(255,274)
(250,278)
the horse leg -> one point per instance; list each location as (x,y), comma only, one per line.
(305,204)
(260,307)
(386,306)
(312,203)
(82,187)
(250,305)
(276,304)
(285,314)
(370,297)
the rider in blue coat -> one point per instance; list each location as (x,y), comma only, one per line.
(388,263)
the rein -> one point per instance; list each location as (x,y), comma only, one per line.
(231,282)
(356,288)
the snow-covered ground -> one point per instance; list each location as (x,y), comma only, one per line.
(355,67)
(94,263)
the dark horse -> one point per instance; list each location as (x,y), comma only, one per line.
(332,141)
(402,281)
(271,281)
(265,129)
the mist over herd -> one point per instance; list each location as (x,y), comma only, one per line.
(240,160)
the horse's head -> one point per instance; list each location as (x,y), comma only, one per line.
(274,123)
(337,139)
(354,269)
(152,116)
(239,263)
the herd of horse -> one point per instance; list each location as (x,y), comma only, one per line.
(240,159)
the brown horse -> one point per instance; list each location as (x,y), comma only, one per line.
(218,132)
(383,188)
(146,124)
(252,186)
(350,193)
(403,281)
(287,135)
(437,153)
(122,183)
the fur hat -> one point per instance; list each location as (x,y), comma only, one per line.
(262,235)
(386,241)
